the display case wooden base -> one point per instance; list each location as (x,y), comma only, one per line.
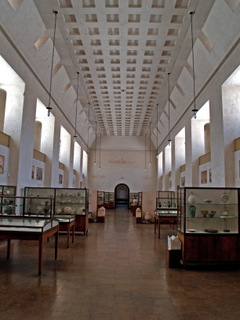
(101,219)
(81,223)
(210,249)
(173,258)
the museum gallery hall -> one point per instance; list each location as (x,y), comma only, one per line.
(119,159)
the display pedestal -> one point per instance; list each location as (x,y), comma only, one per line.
(101,219)
(81,223)
(138,220)
(173,258)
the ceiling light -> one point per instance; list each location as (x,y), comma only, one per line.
(49,108)
(195,110)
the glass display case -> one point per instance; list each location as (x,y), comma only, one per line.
(29,228)
(208,224)
(135,201)
(166,209)
(105,199)
(166,199)
(26,206)
(109,200)
(100,199)
(66,201)
(208,210)
(133,196)
(7,190)
(140,199)
(71,201)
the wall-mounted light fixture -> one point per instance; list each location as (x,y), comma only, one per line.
(75,132)
(49,108)
(194,110)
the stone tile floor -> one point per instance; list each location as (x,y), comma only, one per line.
(117,272)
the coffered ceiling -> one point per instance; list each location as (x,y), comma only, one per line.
(124,50)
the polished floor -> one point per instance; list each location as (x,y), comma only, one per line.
(117,272)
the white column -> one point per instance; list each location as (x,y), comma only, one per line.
(173,164)
(27,140)
(188,154)
(231,120)
(55,155)
(19,124)
(179,158)
(197,148)
(47,147)
(70,176)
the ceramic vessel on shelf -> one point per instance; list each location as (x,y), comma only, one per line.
(192,198)
(204,213)
(212,214)
(192,211)
(224,197)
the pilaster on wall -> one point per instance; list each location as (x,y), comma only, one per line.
(179,158)
(173,170)
(198,148)
(231,120)
(47,142)
(188,152)
(217,138)
(26,140)
(167,165)
(55,155)
(70,175)
(13,127)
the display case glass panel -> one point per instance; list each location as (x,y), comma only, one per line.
(22,206)
(71,201)
(38,206)
(26,224)
(8,190)
(100,198)
(166,199)
(140,198)
(208,210)
(106,197)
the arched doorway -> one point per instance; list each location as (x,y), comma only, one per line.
(121,196)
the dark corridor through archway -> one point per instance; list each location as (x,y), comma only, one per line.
(122,196)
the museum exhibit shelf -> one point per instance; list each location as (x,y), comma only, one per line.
(109,200)
(66,201)
(100,199)
(26,206)
(105,199)
(6,191)
(208,225)
(166,210)
(135,201)
(28,228)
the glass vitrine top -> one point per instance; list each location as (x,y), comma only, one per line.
(20,224)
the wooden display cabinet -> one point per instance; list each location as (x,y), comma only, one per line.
(208,225)
(66,201)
